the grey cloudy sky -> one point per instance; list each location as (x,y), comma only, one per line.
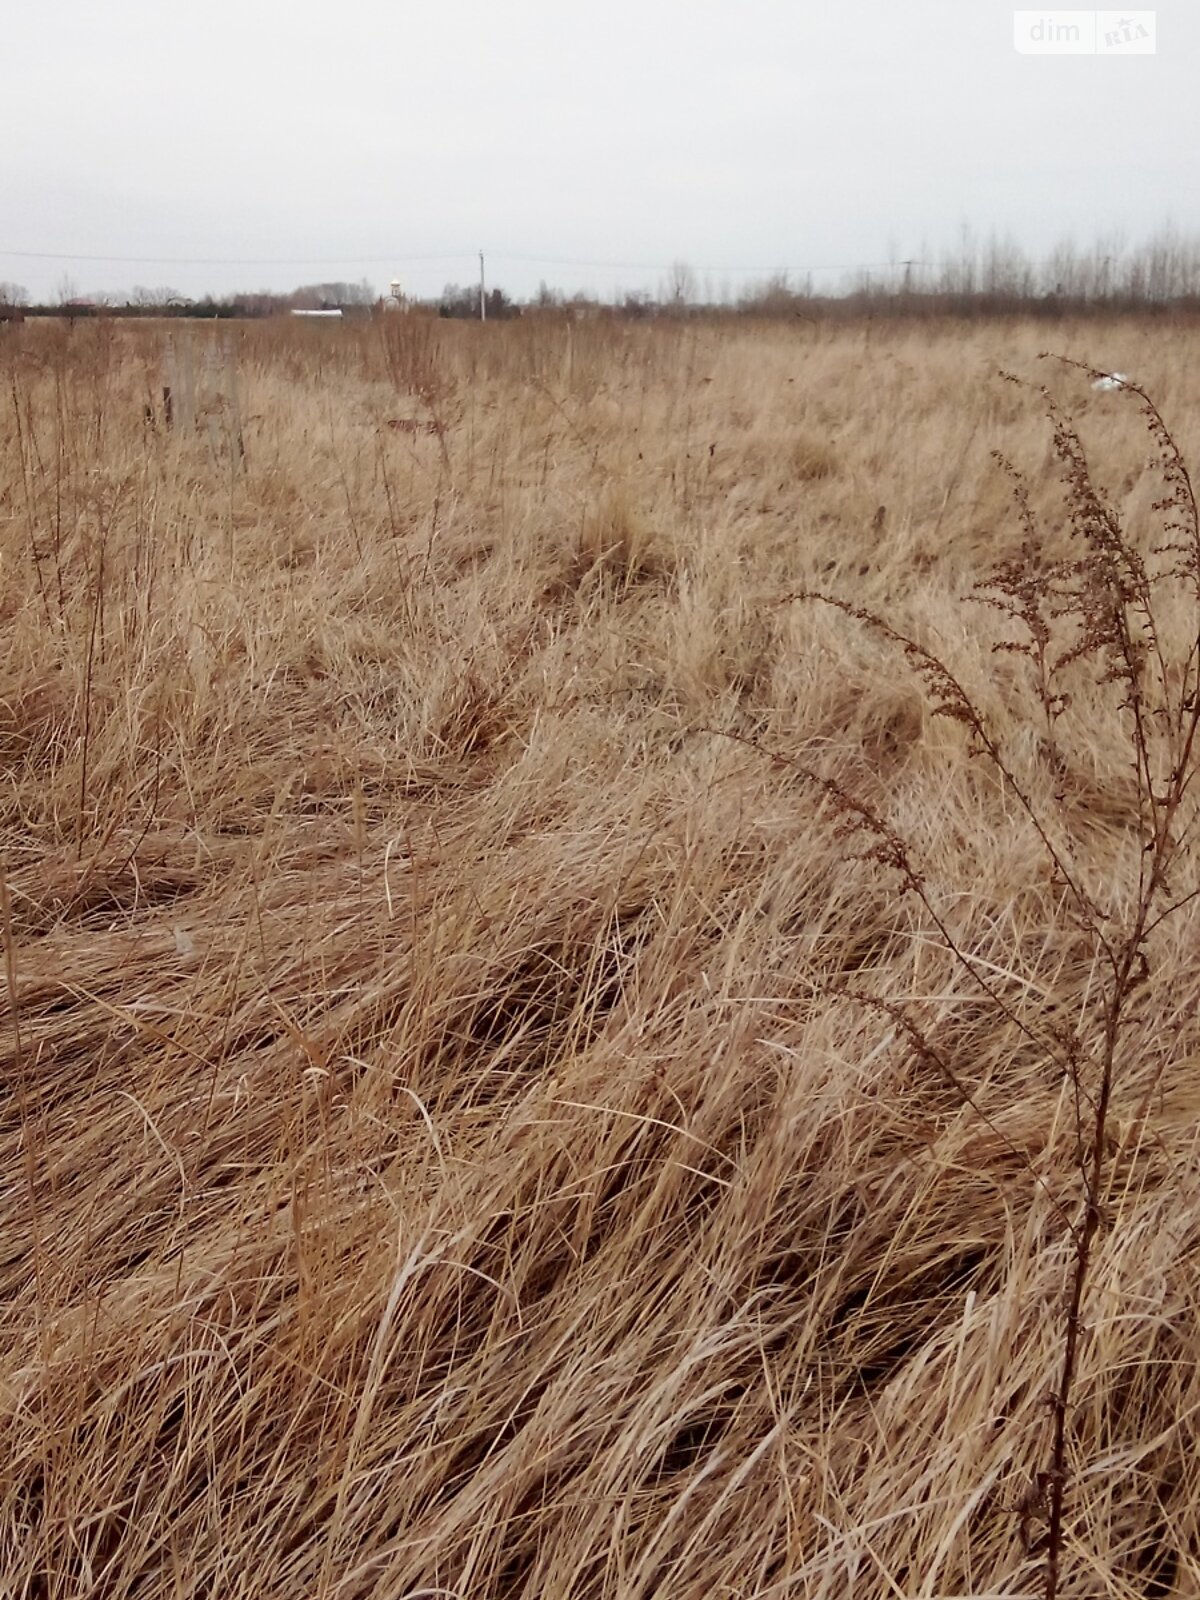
(560,137)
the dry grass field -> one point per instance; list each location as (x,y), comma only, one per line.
(476,1117)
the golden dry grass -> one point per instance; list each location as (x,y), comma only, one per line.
(434,1160)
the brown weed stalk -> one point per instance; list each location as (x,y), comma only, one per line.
(1096,615)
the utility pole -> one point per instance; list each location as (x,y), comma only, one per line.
(482,292)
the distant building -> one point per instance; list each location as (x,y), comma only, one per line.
(336,313)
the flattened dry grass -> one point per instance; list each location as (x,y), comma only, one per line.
(434,1158)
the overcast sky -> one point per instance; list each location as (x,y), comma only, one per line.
(318,141)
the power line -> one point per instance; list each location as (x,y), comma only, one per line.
(229,261)
(709,271)
(402,258)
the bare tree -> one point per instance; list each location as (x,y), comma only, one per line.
(336,294)
(161,296)
(681,284)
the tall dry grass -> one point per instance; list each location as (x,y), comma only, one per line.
(440,1152)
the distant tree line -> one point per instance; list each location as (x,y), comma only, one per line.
(163,301)
(977,278)
(458,302)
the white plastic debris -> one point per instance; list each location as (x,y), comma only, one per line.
(1111,380)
